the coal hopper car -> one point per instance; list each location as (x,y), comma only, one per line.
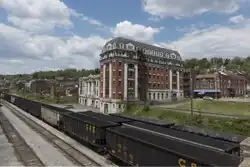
(163,123)
(142,144)
(104,117)
(86,129)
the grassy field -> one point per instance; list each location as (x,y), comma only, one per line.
(237,126)
(214,106)
(47,98)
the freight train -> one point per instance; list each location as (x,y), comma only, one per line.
(139,141)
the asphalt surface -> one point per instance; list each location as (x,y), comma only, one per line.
(235,99)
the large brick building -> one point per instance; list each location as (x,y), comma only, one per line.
(132,71)
(225,84)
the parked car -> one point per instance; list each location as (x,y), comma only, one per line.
(207,98)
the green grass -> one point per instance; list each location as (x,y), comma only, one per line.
(237,126)
(47,98)
(214,106)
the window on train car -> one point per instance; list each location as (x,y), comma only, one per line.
(131,158)
(87,127)
(90,128)
(119,146)
(125,151)
(93,129)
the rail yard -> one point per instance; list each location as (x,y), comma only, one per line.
(94,139)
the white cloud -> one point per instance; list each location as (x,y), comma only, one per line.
(38,51)
(216,41)
(135,31)
(36,15)
(237,19)
(16,62)
(181,8)
(87,18)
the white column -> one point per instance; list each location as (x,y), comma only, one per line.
(80,87)
(92,88)
(98,88)
(87,88)
(125,81)
(136,81)
(110,80)
(103,86)
(170,79)
(178,81)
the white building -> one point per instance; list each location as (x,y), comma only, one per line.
(89,93)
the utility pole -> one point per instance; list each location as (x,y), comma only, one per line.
(192,89)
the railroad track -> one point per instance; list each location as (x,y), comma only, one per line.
(25,154)
(77,158)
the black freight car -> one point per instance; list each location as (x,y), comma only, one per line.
(30,106)
(7,97)
(109,118)
(212,134)
(85,128)
(210,143)
(163,123)
(34,108)
(51,114)
(143,148)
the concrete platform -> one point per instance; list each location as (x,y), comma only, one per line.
(86,151)
(47,153)
(7,153)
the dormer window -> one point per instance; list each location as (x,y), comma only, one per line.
(173,56)
(109,46)
(130,46)
(114,45)
(103,49)
(121,45)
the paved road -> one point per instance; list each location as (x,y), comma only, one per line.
(235,99)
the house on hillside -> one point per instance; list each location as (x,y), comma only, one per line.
(19,85)
(72,91)
(40,86)
(66,83)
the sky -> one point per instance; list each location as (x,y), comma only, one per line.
(57,34)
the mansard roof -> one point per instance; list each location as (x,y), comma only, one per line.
(140,45)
